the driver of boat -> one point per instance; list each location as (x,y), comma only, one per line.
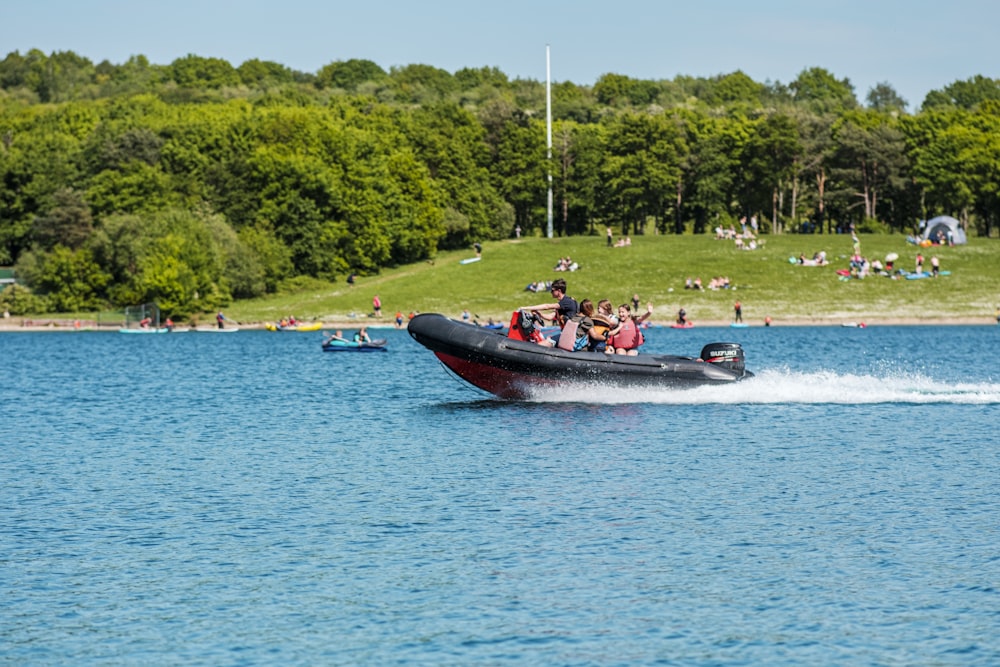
(562,310)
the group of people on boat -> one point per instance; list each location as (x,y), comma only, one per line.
(584,327)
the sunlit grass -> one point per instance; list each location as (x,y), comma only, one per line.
(655,267)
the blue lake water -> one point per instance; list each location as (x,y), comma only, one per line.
(249,499)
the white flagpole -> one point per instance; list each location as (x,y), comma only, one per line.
(548,129)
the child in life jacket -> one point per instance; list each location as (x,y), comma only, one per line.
(627,337)
(605,321)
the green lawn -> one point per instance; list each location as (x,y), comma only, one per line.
(655,267)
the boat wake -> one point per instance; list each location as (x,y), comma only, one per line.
(785,386)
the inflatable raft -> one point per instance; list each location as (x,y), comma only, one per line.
(514,367)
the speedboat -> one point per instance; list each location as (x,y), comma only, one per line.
(514,366)
(341,345)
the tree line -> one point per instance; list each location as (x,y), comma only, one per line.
(195,183)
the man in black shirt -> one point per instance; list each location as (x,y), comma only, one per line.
(561,311)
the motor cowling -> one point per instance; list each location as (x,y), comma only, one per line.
(727,355)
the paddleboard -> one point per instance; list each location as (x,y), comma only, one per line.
(689,325)
(739,325)
(470,260)
(216,330)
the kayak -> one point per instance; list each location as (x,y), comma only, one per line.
(307,326)
(145,330)
(335,345)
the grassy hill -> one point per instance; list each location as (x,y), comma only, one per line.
(655,267)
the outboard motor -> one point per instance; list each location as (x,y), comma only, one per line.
(727,355)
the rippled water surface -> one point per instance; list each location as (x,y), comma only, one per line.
(250,499)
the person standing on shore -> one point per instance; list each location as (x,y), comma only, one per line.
(935,266)
(738,309)
(920,263)
(377,306)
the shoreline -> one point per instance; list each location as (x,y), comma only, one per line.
(17,324)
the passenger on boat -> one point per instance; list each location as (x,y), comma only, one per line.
(627,337)
(681,316)
(604,321)
(587,335)
(362,336)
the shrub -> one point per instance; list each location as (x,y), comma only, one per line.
(872,226)
(19,300)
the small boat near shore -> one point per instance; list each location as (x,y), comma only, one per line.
(341,345)
(215,329)
(513,367)
(302,326)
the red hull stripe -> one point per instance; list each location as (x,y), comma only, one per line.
(497,381)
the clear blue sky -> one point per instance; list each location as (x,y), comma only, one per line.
(915,46)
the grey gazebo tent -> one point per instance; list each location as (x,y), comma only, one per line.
(946,225)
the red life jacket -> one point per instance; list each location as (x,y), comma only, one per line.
(629,337)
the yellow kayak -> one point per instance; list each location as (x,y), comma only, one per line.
(304,326)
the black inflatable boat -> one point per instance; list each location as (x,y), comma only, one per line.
(511,368)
